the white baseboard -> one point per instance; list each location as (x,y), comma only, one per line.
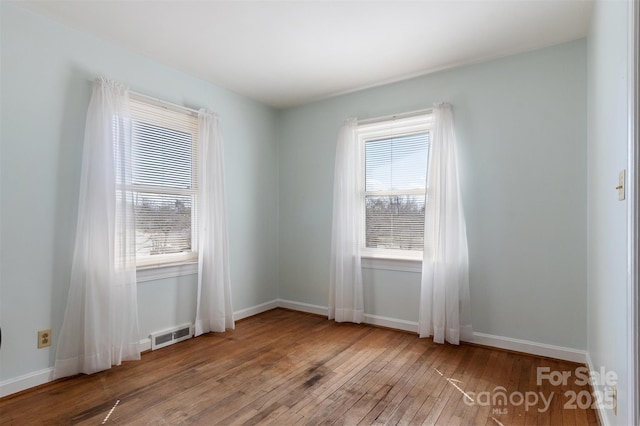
(303,307)
(255,310)
(368,318)
(517,345)
(26,381)
(534,348)
(398,324)
(36,378)
(145,345)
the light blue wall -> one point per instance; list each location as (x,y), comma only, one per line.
(607,231)
(46,68)
(521,126)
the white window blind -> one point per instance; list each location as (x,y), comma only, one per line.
(395,168)
(164,183)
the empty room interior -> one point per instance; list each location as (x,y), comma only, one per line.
(318,212)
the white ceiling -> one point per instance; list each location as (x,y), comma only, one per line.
(286,53)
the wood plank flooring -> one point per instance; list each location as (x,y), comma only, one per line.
(284,367)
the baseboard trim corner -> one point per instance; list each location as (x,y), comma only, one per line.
(255,310)
(303,307)
(394,323)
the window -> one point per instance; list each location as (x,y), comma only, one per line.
(164,183)
(394,154)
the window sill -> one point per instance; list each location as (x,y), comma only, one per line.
(391,263)
(152,273)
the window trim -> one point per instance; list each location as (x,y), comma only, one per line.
(158,272)
(370,130)
(171,264)
(392,264)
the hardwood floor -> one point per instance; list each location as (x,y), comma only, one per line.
(283,367)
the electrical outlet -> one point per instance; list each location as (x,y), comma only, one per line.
(44,338)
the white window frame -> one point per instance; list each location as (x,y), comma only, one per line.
(394,126)
(171,265)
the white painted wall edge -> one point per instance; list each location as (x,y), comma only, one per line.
(633,215)
(37,378)
(602,418)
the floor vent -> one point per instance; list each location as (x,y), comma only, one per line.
(164,338)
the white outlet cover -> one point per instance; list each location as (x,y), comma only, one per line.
(621,181)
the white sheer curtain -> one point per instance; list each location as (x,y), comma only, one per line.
(214,311)
(444,297)
(100,327)
(346,299)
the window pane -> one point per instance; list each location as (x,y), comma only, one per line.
(163,223)
(161,157)
(398,163)
(395,222)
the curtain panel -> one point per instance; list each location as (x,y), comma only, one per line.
(346,298)
(214,311)
(100,326)
(445,309)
